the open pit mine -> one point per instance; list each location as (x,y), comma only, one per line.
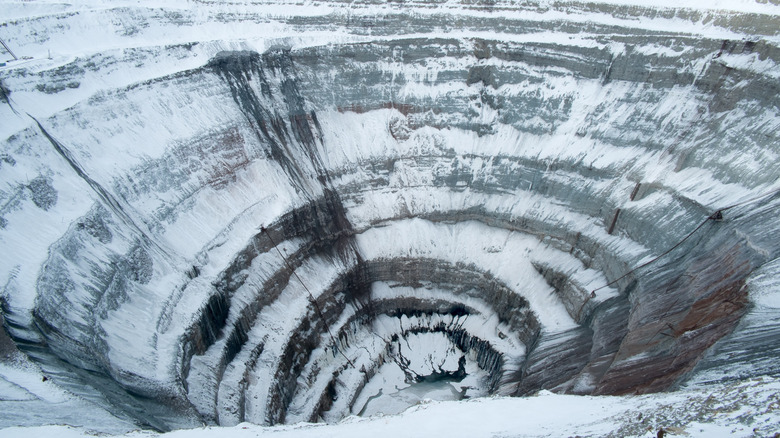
(220,212)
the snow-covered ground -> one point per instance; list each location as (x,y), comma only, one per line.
(740,409)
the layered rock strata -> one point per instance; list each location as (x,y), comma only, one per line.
(262,236)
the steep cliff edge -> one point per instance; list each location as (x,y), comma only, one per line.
(285,229)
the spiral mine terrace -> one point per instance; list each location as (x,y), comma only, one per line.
(299,212)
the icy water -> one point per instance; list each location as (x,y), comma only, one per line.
(390,393)
(400,399)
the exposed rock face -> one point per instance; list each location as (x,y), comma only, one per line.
(260,236)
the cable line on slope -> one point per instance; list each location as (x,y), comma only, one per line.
(716,216)
(311,296)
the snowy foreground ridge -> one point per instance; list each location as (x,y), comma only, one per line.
(747,408)
(331,218)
